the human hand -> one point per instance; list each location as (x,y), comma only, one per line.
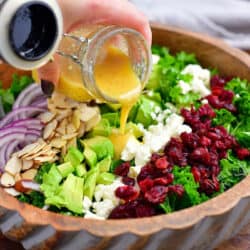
(83,12)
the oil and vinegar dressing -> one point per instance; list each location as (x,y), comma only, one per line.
(116,78)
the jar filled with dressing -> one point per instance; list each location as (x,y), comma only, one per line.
(109,64)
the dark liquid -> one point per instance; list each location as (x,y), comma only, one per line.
(33,31)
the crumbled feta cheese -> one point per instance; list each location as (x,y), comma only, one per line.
(198,72)
(105,201)
(86,203)
(204,101)
(155,59)
(90,215)
(103,208)
(199,83)
(154,140)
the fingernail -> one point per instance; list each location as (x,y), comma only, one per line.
(47,87)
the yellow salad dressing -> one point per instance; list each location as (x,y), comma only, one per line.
(115,77)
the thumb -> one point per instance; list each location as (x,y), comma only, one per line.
(50,71)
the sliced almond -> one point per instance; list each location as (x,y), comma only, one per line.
(7,180)
(63,114)
(62,127)
(27,149)
(43,151)
(76,119)
(13,166)
(29,174)
(59,100)
(72,104)
(57,143)
(27,164)
(69,136)
(87,113)
(46,117)
(12,191)
(20,188)
(18,177)
(42,159)
(81,130)
(40,145)
(70,129)
(49,129)
(72,143)
(92,122)
(64,150)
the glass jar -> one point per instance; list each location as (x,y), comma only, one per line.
(81,50)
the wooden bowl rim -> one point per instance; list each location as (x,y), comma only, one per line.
(144,226)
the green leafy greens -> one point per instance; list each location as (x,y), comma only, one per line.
(9,95)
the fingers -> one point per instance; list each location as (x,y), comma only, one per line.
(50,72)
(116,12)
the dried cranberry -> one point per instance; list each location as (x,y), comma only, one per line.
(206,111)
(161,163)
(123,169)
(190,140)
(196,173)
(204,141)
(154,157)
(227,96)
(144,210)
(174,152)
(217,81)
(156,194)
(128,181)
(216,90)
(133,209)
(164,180)
(200,154)
(126,193)
(242,153)
(146,184)
(177,189)
(146,171)
(209,186)
(126,210)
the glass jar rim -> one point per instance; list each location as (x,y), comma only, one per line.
(97,40)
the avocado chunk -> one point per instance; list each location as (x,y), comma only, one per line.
(90,156)
(133,128)
(102,128)
(105,178)
(90,183)
(65,169)
(51,181)
(101,145)
(113,118)
(104,165)
(74,156)
(81,170)
(69,195)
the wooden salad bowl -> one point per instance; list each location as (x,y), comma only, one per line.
(200,227)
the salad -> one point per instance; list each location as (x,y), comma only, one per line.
(189,141)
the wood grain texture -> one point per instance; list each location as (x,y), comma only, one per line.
(7,72)
(202,227)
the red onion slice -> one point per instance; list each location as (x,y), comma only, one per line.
(30,97)
(10,149)
(13,116)
(33,123)
(23,95)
